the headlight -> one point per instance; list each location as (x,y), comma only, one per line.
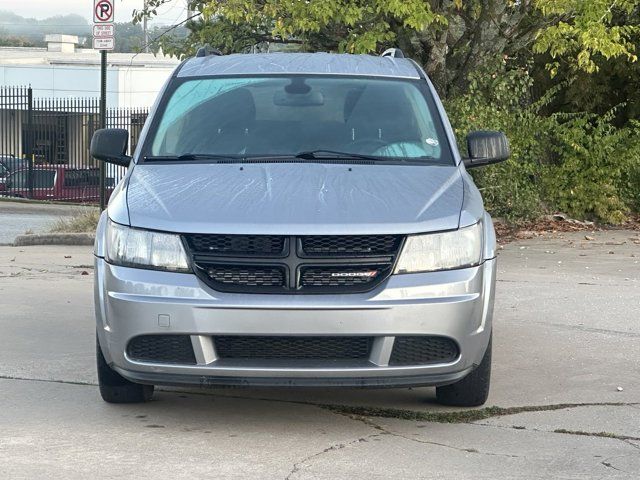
(131,247)
(441,251)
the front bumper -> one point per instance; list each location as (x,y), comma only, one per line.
(457,304)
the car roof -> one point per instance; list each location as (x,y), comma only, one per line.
(299,63)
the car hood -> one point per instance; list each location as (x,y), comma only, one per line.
(294,198)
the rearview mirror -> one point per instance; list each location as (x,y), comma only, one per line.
(310,99)
(110,145)
(486,147)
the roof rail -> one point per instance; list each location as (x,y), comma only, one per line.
(393,52)
(208,50)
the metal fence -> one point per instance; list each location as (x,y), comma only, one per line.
(44,146)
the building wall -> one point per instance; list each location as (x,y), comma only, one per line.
(11,123)
(126,87)
(139,87)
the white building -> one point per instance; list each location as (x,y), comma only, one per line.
(63,70)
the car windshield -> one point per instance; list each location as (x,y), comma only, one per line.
(289,115)
(12,164)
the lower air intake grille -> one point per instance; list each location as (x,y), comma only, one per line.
(299,348)
(421,350)
(162,349)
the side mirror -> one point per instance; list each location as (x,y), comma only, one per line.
(110,145)
(486,147)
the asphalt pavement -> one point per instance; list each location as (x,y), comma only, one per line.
(565,398)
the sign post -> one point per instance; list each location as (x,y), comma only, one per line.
(103,40)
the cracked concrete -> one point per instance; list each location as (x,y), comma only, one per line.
(565,340)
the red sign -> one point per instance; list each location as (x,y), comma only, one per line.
(102,11)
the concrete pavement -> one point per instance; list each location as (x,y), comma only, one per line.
(18,217)
(567,336)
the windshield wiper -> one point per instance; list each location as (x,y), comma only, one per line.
(192,156)
(317,155)
(335,155)
(306,155)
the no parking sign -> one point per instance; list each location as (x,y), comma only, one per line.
(102,11)
(103,28)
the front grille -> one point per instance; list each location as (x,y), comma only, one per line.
(240,245)
(293,264)
(340,245)
(422,350)
(250,276)
(162,349)
(298,348)
(345,276)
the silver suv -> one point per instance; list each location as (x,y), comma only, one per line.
(296,220)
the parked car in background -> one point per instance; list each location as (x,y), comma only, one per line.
(4,173)
(8,164)
(59,183)
(11,163)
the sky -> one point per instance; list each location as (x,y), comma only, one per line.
(172,13)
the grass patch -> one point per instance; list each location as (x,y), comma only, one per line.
(596,434)
(459,416)
(85,222)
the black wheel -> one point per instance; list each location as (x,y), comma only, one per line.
(114,388)
(472,390)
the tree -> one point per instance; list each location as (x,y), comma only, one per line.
(449,37)
(129,37)
(585,29)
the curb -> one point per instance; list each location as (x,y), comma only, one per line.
(54,239)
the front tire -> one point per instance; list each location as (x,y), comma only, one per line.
(472,390)
(114,388)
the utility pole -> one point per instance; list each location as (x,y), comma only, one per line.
(103,119)
(103,40)
(144,27)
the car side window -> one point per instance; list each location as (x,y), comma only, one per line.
(41,179)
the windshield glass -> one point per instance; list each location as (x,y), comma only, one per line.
(287,115)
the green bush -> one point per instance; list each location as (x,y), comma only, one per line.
(579,164)
(500,101)
(629,181)
(592,158)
